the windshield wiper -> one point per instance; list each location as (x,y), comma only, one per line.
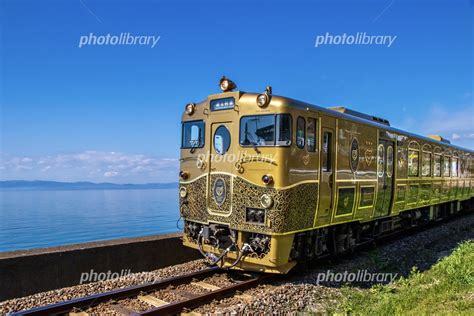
(193,147)
(252,141)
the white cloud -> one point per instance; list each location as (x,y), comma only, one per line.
(110,174)
(455,123)
(91,165)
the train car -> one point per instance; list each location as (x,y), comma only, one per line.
(268,181)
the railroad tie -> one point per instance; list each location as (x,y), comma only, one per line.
(154,301)
(78,314)
(206,286)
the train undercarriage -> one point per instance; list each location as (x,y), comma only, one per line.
(233,249)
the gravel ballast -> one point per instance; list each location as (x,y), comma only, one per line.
(77,291)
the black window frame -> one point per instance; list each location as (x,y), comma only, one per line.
(304,132)
(274,122)
(203,135)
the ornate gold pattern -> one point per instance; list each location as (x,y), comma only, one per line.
(193,206)
(293,208)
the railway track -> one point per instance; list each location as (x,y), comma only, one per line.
(191,290)
(187,291)
(149,299)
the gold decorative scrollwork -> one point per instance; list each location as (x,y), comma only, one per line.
(239,164)
(369,156)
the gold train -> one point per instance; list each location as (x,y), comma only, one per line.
(267,181)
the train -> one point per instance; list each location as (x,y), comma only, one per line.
(267,181)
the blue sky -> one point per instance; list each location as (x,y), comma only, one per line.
(112,113)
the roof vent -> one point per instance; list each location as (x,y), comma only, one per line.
(360,115)
(439,139)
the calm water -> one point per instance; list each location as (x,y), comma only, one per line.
(31,219)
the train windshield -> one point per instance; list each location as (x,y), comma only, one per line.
(193,134)
(265,130)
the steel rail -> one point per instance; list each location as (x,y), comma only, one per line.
(177,307)
(93,300)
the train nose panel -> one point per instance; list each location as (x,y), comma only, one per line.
(220,194)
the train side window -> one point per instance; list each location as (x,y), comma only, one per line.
(311,135)
(454,167)
(300,132)
(327,149)
(426,164)
(380,160)
(437,166)
(413,162)
(446,166)
(389,161)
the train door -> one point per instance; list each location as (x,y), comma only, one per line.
(220,182)
(385,152)
(327,168)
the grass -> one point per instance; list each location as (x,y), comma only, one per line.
(447,288)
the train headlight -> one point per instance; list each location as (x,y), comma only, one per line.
(189,108)
(262,100)
(255,215)
(251,215)
(183,175)
(183,192)
(267,179)
(226,84)
(266,201)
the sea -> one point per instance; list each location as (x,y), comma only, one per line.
(43,218)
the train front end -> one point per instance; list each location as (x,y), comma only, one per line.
(232,173)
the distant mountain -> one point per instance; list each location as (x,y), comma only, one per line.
(54,185)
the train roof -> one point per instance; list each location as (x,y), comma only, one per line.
(381,125)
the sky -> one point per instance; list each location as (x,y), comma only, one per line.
(111,113)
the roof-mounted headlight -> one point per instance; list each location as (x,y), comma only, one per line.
(263,99)
(226,85)
(189,108)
